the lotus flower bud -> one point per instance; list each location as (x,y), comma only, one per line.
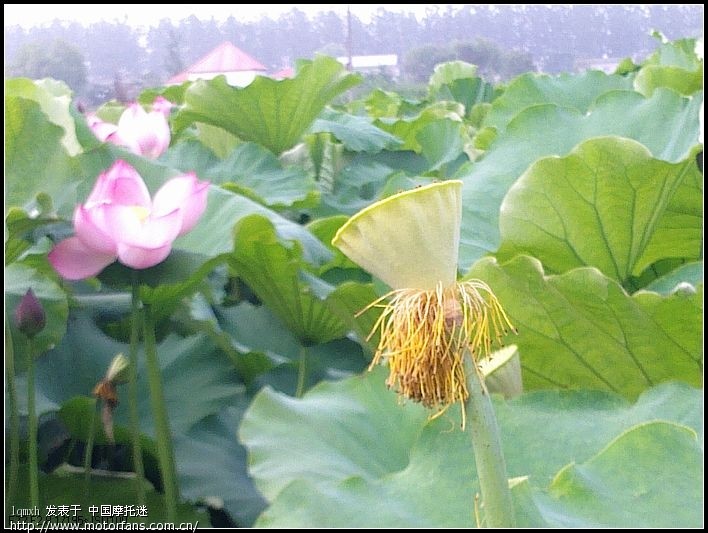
(29,315)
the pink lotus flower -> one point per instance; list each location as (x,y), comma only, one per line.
(146,134)
(120,221)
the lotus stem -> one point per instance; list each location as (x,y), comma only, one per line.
(135,323)
(14,420)
(162,424)
(32,408)
(497,507)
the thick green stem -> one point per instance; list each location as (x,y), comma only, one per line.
(135,319)
(301,373)
(162,425)
(497,507)
(14,420)
(88,454)
(32,408)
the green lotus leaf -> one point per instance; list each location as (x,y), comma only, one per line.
(667,124)
(357,134)
(632,482)
(272,113)
(355,457)
(599,206)
(575,91)
(275,270)
(458,81)
(254,172)
(54,97)
(674,65)
(33,167)
(581,329)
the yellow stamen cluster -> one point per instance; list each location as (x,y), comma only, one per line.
(425,333)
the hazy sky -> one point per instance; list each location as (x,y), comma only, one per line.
(28,15)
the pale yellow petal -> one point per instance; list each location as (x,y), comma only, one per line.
(410,239)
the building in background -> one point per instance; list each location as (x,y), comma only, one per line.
(373,64)
(606,64)
(226,59)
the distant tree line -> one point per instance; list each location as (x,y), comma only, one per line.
(503,40)
(493,62)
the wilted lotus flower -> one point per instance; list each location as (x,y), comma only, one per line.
(146,134)
(29,315)
(120,221)
(410,240)
(106,391)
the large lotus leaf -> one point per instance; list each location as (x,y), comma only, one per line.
(357,134)
(218,140)
(652,77)
(679,232)
(674,65)
(19,278)
(581,329)
(54,97)
(275,272)
(575,91)
(680,53)
(213,233)
(407,128)
(633,482)
(355,502)
(331,434)
(467,91)
(253,171)
(190,155)
(382,103)
(362,180)
(598,493)
(458,81)
(446,73)
(441,143)
(365,460)
(667,124)
(36,160)
(212,464)
(599,206)
(321,156)
(272,113)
